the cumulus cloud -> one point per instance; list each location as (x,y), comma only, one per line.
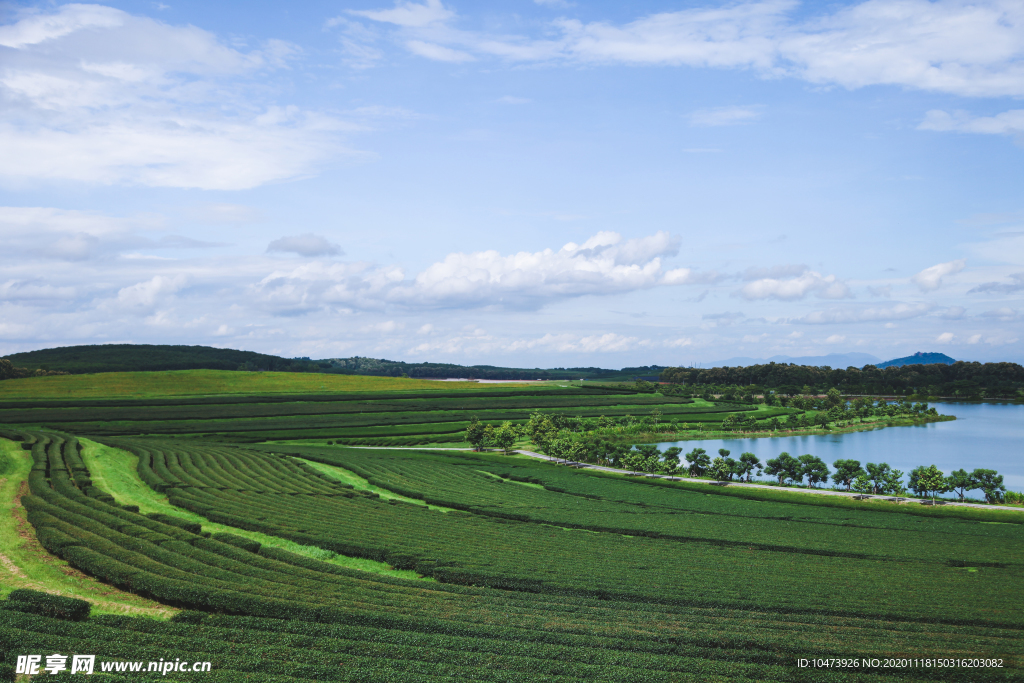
(810,282)
(306,244)
(94,94)
(604,264)
(930,278)
(954,46)
(864,314)
(945,338)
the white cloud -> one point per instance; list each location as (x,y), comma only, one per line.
(810,282)
(146,294)
(952,46)
(1001,287)
(974,339)
(863,315)
(306,244)
(953,313)
(38,28)
(835,339)
(1007,123)
(409,14)
(724,116)
(1004,313)
(604,264)
(438,53)
(930,278)
(598,343)
(97,95)
(945,338)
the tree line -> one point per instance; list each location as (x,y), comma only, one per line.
(786,469)
(961,379)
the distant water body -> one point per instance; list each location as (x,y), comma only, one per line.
(985,435)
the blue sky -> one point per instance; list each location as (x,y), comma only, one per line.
(517,183)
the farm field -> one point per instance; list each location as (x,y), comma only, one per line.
(357,416)
(206,382)
(290,561)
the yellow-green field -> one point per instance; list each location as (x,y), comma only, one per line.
(207,383)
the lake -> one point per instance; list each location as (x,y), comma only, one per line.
(985,435)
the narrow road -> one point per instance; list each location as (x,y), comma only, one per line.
(820,492)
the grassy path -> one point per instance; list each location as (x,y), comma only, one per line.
(26,564)
(114,471)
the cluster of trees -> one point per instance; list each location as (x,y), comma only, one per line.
(593,448)
(8,371)
(961,379)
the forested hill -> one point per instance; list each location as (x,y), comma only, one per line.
(967,380)
(146,357)
(149,357)
(918,359)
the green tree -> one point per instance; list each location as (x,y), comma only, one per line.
(505,436)
(863,483)
(834,398)
(775,424)
(475,434)
(748,463)
(699,461)
(670,460)
(878,475)
(960,482)
(720,469)
(991,483)
(814,468)
(893,483)
(784,467)
(846,472)
(932,480)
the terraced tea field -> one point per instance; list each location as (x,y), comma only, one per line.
(477,567)
(354,417)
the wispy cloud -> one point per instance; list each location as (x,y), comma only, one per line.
(725,116)
(965,48)
(98,95)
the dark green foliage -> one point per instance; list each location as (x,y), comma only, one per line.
(193,527)
(56,606)
(238,541)
(967,380)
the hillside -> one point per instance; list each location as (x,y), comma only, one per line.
(151,357)
(918,358)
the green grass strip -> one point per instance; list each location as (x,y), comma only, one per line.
(114,471)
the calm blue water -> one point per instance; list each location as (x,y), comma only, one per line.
(984,435)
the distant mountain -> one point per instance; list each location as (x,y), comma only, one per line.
(918,358)
(832,360)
